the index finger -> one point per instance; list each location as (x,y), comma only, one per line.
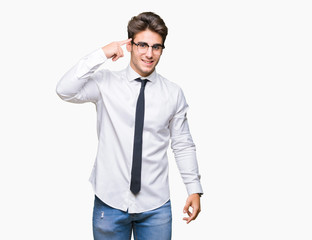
(125,41)
(193,216)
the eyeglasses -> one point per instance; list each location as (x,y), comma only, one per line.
(143,47)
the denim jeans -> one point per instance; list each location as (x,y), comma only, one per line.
(113,224)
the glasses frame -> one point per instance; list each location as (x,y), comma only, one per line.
(148,46)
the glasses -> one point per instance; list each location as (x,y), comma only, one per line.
(143,47)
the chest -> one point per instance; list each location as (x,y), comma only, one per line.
(120,99)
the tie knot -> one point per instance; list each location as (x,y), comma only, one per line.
(142,81)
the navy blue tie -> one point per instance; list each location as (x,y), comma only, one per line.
(135,185)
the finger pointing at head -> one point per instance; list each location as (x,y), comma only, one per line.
(125,41)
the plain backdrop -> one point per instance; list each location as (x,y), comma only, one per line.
(245,68)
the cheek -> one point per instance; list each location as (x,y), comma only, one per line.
(136,60)
(156,60)
(136,57)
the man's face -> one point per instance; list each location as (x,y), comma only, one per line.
(144,63)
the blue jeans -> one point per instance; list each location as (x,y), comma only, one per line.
(113,224)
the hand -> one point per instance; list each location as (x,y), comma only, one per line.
(114,50)
(194,202)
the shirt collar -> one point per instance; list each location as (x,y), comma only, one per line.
(132,75)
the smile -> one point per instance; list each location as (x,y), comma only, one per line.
(148,62)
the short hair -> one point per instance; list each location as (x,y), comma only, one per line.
(147,20)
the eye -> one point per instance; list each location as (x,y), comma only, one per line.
(142,45)
(157,47)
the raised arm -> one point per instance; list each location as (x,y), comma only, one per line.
(78,84)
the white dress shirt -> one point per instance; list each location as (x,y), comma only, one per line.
(115,95)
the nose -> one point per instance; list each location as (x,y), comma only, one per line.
(149,52)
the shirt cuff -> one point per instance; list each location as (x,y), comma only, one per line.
(90,62)
(96,57)
(194,188)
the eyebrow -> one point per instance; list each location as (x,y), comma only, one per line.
(156,44)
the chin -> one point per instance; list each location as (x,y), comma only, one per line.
(147,71)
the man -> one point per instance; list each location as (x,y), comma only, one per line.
(138,113)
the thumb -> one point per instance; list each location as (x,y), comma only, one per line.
(186,208)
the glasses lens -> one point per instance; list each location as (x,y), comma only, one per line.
(157,49)
(143,48)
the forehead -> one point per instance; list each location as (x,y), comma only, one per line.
(148,36)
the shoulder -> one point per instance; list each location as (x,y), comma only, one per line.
(172,86)
(105,75)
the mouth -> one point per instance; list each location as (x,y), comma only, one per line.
(148,62)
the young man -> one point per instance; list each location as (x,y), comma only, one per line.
(138,113)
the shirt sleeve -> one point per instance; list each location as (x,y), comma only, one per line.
(184,148)
(78,85)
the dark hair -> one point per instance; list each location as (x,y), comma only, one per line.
(147,20)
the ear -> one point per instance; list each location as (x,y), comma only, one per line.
(129,46)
